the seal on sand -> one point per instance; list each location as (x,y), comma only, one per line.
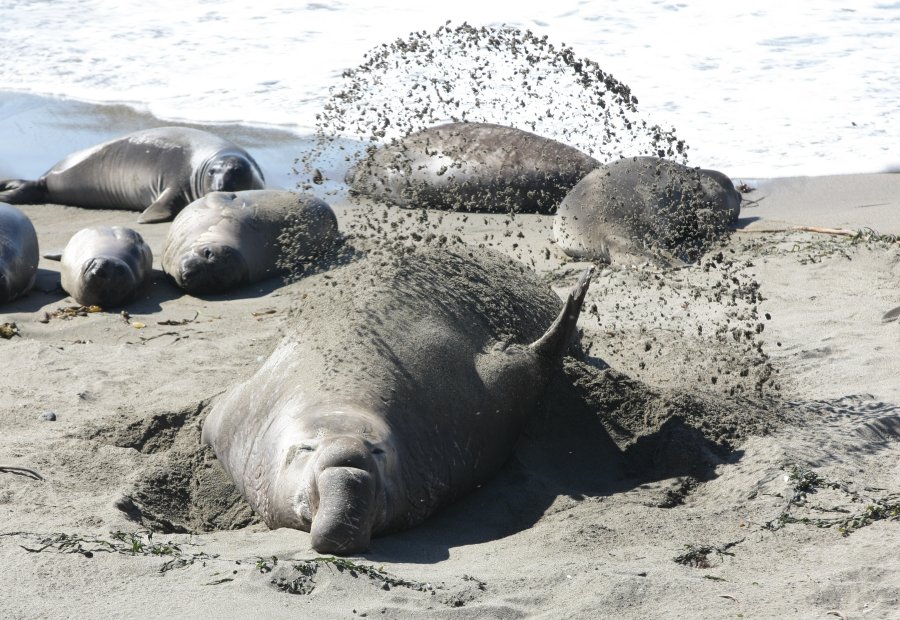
(643,209)
(472,167)
(19,254)
(155,171)
(104,265)
(403,383)
(224,240)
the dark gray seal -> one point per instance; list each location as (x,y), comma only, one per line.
(155,171)
(642,209)
(104,265)
(403,384)
(225,240)
(19,254)
(472,167)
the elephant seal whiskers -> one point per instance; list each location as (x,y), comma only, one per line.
(403,384)
(155,171)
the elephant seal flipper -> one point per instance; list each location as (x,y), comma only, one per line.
(163,208)
(20,191)
(559,336)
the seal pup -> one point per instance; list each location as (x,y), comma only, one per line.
(104,265)
(646,209)
(224,240)
(472,167)
(19,254)
(403,384)
(155,171)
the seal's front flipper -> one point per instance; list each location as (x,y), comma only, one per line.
(553,344)
(163,208)
(21,192)
(57,256)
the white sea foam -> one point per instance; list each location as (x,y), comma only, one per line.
(767,88)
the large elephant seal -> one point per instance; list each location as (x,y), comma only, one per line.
(224,240)
(642,209)
(403,383)
(472,167)
(104,265)
(155,171)
(19,254)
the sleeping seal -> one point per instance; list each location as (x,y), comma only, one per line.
(155,171)
(19,254)
(104,265)
(403,383)
(224,240)
(644,209)
(472,167)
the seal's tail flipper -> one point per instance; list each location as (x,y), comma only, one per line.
(20,192)
(553,344)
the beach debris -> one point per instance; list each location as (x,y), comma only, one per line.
(173,322)
(301,579)
(697,556)
(805,482)
(8,330)
(125,543)
(47,416)
(20,471)
(68,312)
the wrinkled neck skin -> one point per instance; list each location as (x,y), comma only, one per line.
(337,477)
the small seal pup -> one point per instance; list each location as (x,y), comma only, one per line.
(646,209)
(472,167)
(225,240)
(155,171)
(104,265)
(403,383)
(19,255)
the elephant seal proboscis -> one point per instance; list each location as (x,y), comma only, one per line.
(646,209)
(225,240)
(19,255)
(472,167)
(155,171)
(402,385)
(104,265)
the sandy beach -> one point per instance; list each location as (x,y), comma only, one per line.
(722,443)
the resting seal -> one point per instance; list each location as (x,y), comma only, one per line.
(155,171)
(104,265)
(19,254)
(645,208)
(403,384)
(224,240)
(472,167)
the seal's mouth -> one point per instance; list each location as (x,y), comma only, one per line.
(212,268)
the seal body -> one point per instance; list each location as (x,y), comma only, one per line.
(403,383)
(642,209)
(155,171)
(19,254)
(472,167)
(227,239)
(105,265)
